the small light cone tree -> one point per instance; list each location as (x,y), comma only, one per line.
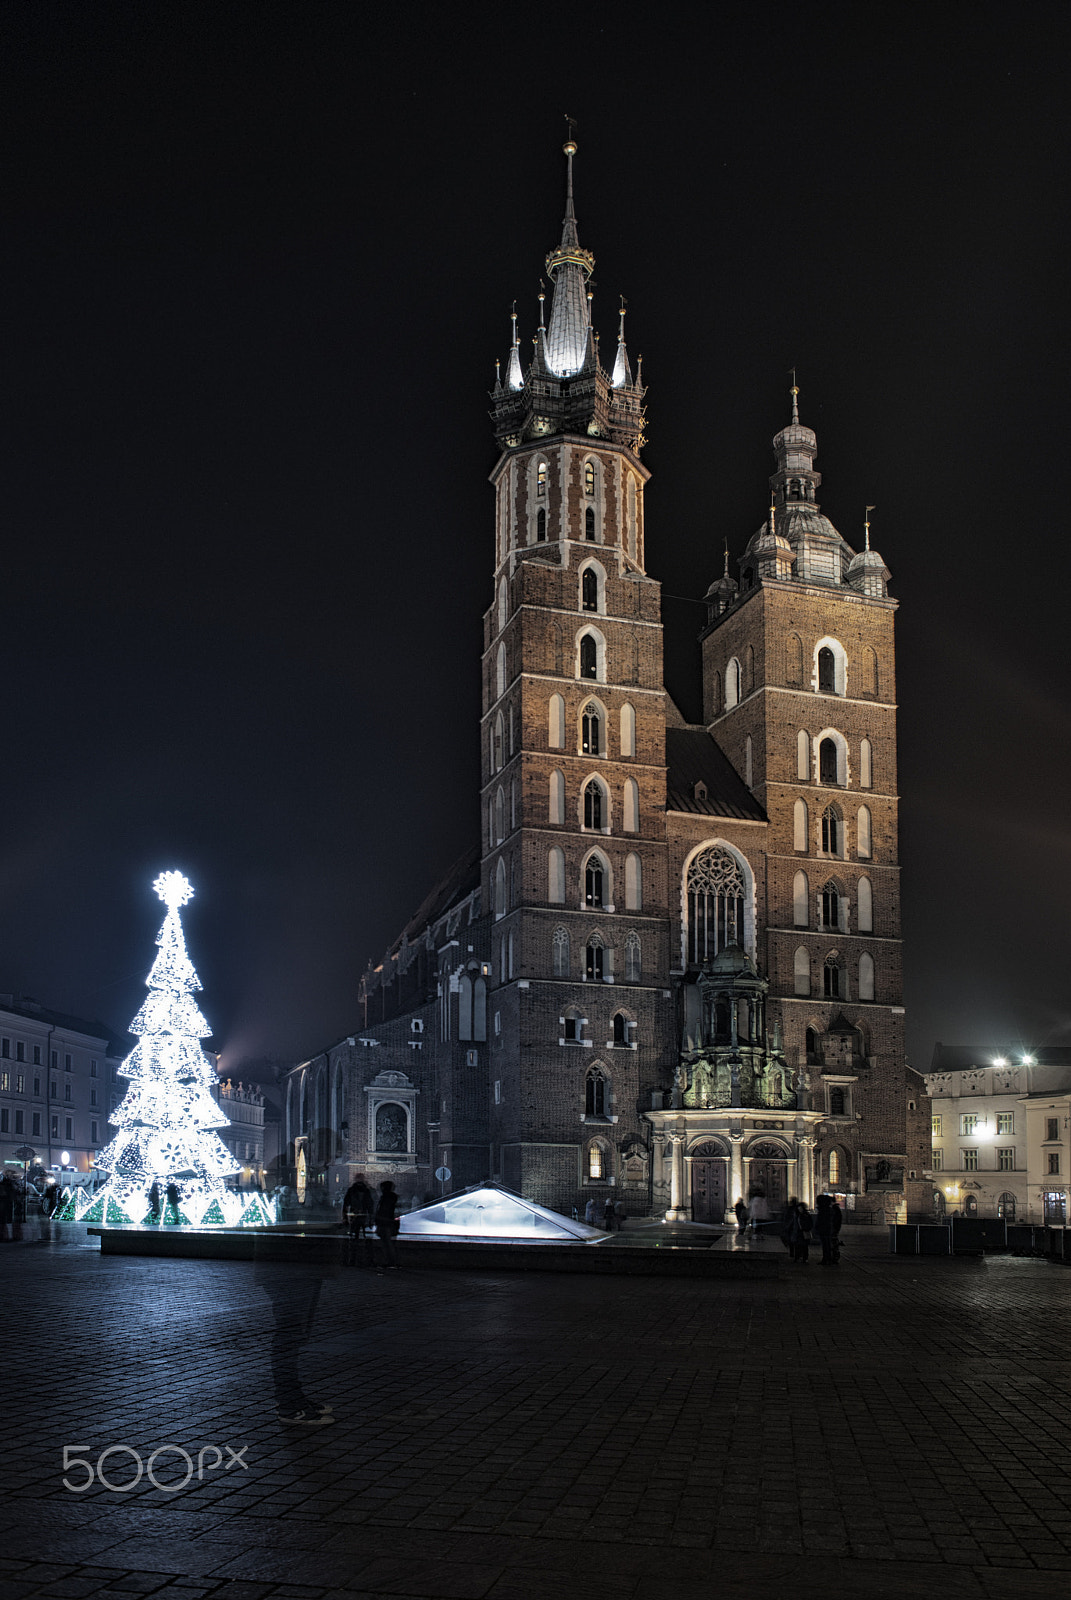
(167,1119)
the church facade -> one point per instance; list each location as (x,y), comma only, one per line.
(670,971)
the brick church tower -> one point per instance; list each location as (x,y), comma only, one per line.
(573,761)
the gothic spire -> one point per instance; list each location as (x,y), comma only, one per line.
(622,377)
(514,376)
(569,267)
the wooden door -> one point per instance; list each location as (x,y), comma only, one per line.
(708,1189)
(769,1178)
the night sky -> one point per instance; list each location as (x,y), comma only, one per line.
(258,263)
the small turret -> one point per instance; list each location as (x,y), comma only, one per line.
(772,551)
(622,378)
(867,572)
(722,592)
(514,376)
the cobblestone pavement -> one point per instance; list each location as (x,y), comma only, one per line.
(890,1428)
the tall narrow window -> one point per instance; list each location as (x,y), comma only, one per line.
(498,744)
(500,888)
(803,756)
(732,684)
(799,825)
(621,1026)
(628,730)
(794,660)
(866,976)
(595,1094)
(836,1102)
(830,906)
(589,524)
(594,881)
(589,590)
(862,831)
(541,525)
(801,910)
(593,961)
(557,799)
(500,817)
(831,979)
(631,808)
(801,968)
(500,672)
(870,671)
(633,959)
(633,882)
(715,904)
(834,1169)
(589,479)
(510,963)
(541,479)
(556,723)
(596,1162)
(827,762)
(591,731)
(865,906)
(748,773)
(831,831)
(827,671)
(556,876)
(593,804)
(589,657)
(866,780)
(561,953)
(503,604)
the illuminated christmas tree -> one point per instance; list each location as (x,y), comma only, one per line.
(167,1165)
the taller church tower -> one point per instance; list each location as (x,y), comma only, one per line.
(573,761)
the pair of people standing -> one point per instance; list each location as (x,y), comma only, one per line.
(796,1226)
(827,1223)
(363,1212)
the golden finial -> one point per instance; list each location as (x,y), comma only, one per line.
(570,141)
(866,525)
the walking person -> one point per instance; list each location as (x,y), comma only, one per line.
(788,1224)
(801,1235)
(823,1227)
(358,1209)
(741,1212)
(619,1214)
(387,1225)
(589,1212)
(608,1215)
(760,1215)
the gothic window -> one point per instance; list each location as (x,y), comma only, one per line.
(556,723)
(594,881)
(715,904)
(732,684)
(503,604)
(830,906)
(502,961)
(591,731)
(556,809)
(500,672)
(801,910)
(866,778)
(832,986)
(541,479)
(560,946)
(500,888)
(556,876)
(628,730)
(870,671)
(866,976)
(498,746)
(794,660)
(541,525)
(827,671)
(865,906)
(392,1128)
(832,831)
(631,503)
(594,804)
(633,962)
(803,756)
(510,963)
(836,1102)
(596,1098)
(631,808)
(589,657)
(589,479)
(834,1168)
(827,761)
(589,590)
(589,524)
(830,667)
(862,831)
(597,1161)
(633,882)
(500,817)
(593,960)
(800,825)
(801,968)
(811,1046)
(621,1027)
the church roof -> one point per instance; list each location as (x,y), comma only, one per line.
(694,761)
(462,878)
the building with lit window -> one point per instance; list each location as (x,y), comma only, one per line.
(1000,1122)
(671,969)
(57,1086)
(243,1105)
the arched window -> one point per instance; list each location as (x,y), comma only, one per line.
(631,809)
(832,831)
(621,1027)
(827,671)
(862,832)
(500,817)
(831,903)
(801,968)
(500,888)
(732,684)
(866,976)
(831,979)
(800,826)
(748,761)
(594,959)
(594,804)
(794,660)
(502,961)
(589,589)
(633,882)
(589,657)
(715,904)
(589,523)
(541,479)
(827,761)
(595,881)
(392,1128)
(811,1046)
(556,806)
(830,667)
(556,723)
(541,525)
(631,502)
(628,730)
(801,907)
(510,964)
(597,1162)
(1006,1207)
(870,671)
(836,1102)
(633,962)
(866,778)
(803,756)
(560,946)
(589,479)
(498,744)
(865,906)
(834,1168)
(556,876)
(596,1098)
(503,604)
(500,672)
(591,741)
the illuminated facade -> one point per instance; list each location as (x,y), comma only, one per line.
(678,978)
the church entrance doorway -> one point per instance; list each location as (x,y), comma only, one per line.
(768,1176)
(708,1188)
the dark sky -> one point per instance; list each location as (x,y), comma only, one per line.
(258,262)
